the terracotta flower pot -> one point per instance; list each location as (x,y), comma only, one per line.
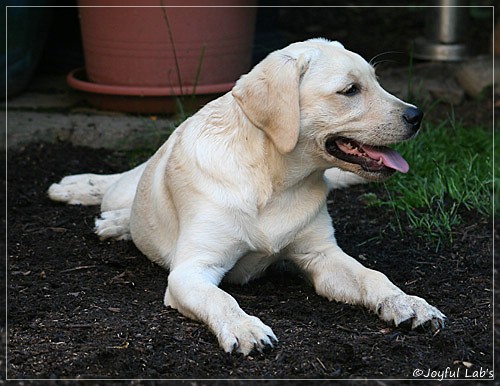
(154,52)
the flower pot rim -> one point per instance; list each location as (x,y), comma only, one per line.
(78,80)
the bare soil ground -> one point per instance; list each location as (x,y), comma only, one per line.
(81,308)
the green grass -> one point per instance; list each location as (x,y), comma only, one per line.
(451,171)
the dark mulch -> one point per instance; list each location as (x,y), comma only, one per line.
(81,308)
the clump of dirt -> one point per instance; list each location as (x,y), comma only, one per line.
(81,308)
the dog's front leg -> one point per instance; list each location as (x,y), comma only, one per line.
(338,276)
(193,291)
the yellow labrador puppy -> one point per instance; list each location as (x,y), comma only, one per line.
(243,183)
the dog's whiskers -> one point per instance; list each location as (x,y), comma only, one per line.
(383,61)
(373,61)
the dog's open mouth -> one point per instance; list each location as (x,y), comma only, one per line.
(370,158)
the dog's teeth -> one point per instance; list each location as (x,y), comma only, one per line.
(380,162)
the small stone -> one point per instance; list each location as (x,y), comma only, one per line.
(475,75)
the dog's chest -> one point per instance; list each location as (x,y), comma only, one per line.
(281,219)
(274,230)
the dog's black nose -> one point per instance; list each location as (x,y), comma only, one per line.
(413,116)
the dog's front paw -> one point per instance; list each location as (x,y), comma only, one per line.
(406,308)
(244,335)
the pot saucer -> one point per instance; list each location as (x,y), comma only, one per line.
(148,100)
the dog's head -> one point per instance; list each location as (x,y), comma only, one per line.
(328,99)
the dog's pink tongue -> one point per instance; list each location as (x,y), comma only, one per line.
(390,158)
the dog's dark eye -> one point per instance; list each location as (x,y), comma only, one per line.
(351,90)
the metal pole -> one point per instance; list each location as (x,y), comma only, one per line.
(445,29)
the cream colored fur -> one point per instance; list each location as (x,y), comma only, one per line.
(243,183)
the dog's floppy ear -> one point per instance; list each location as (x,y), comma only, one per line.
(269,97)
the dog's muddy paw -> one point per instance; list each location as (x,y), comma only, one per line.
(433,324)
(82,189)
(406,325)
(410,311)
(267,345)
(246,335)
(61,193)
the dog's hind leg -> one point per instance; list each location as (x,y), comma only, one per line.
(114,224)
(338,179)
(121,194)
(115,193)
(82,189)
(111,191)
(114,221)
